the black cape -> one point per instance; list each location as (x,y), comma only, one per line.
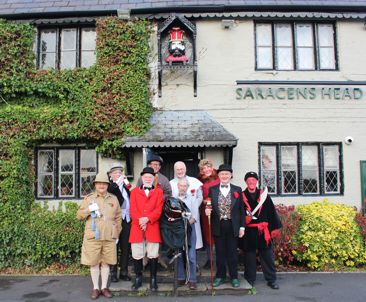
(253,239)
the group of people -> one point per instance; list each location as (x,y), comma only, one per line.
(120,220)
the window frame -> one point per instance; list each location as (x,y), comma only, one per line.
(58,29)
(57,174)
(316,46)
(321,168)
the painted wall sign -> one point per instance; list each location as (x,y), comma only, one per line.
(299,93)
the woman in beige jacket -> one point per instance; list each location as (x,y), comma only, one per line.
(103,217)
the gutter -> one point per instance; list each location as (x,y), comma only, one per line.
(190,9)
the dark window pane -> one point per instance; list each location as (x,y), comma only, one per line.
(67,185)
(45,185)
(269,168)
(88,170)
(289,182)
(289,169)
(86,184)
(331,181)
(310,169)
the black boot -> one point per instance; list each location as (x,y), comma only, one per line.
(138,271)
(123,275)
(153,271)
(113,272)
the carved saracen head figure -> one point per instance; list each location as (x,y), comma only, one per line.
(177,48)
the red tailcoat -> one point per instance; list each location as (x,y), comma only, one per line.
(146,206)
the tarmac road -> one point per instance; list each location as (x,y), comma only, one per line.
(294,287)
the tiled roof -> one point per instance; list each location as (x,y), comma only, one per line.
(27,7)
(183,128)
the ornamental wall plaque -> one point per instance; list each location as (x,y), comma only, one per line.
(177,48)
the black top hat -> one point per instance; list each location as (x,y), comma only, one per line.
(147,170)
(155,157)
(251,174)
(224,167)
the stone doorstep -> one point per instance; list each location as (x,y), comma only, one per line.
(123,288)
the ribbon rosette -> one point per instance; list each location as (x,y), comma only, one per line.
(193,191)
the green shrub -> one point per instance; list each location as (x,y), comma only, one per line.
(330,235)
(43,238)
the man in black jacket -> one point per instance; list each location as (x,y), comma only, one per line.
(227,223)
(120,187)
(262,225)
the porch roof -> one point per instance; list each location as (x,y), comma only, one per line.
(182,128)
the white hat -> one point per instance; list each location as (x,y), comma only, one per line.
(116,166)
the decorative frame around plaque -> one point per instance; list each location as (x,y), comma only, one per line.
(177,48)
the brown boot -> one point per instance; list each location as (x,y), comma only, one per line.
(107,293)
(94,294)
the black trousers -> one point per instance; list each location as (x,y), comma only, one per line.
(124,247)
(226,251)
(266,257)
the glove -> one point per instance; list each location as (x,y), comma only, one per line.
(93,207)
(119,180)
(127,183)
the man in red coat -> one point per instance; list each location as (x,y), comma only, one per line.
(146,204)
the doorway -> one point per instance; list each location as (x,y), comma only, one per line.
(190,156)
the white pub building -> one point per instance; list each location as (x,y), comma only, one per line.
(277,87)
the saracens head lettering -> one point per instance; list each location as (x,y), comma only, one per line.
(298,93)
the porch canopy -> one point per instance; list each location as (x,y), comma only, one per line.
(182,128)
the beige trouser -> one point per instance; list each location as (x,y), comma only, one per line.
(140,249)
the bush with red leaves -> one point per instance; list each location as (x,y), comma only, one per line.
(283,244)
(361,221)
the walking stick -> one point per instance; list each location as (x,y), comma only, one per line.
(209,206)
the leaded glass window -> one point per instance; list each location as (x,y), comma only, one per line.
(301,168)
(69,47)
(65,173)
(295,46)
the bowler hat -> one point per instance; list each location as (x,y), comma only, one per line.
(101,177)
(224,167)
(116,166)
(251,174)
(155,157)
(147,170)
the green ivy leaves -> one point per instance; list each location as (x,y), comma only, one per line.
(98,105)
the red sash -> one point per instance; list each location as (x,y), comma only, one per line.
(262,226)
(248,219)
